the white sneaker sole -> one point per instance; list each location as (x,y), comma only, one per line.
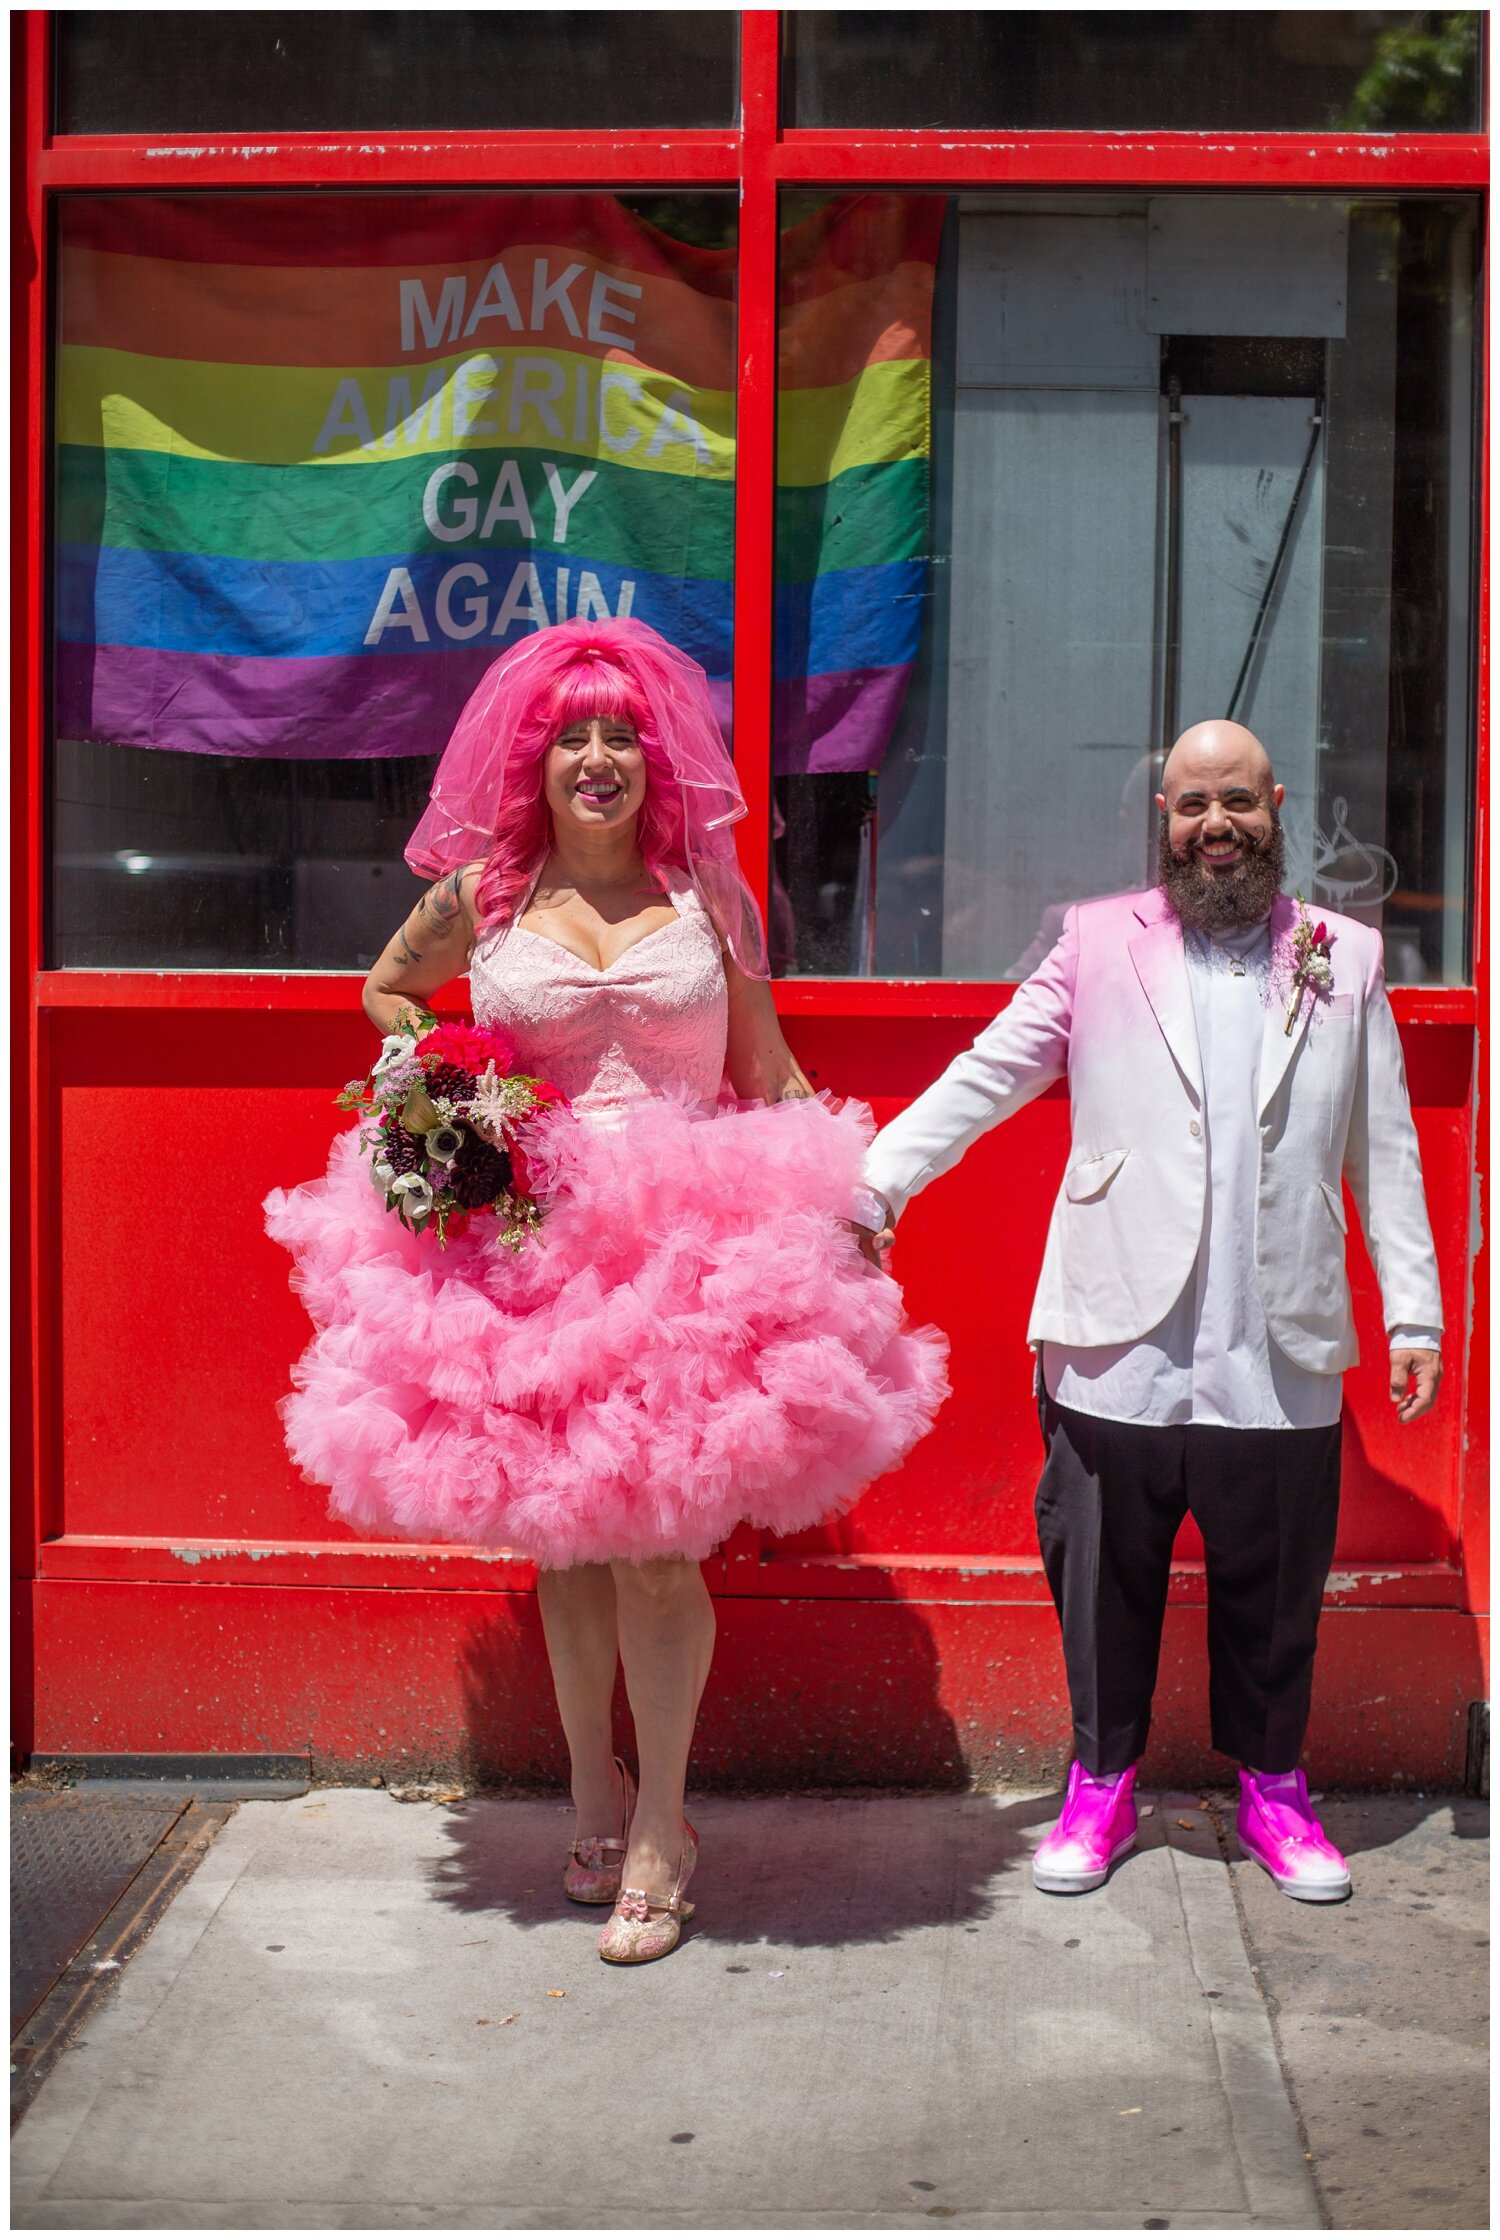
(1058,1884)
(1307,1893)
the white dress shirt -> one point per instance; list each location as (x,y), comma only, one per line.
(1212,1358)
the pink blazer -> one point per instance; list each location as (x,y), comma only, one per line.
(1111,1009)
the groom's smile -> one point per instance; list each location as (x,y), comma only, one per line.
(1221,855)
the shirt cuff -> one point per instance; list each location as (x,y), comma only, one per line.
(870,1209)
(1406,1335)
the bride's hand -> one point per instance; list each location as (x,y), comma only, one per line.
(874,1244)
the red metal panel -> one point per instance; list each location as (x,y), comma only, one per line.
(974,1000)
(755,445)
(1322,161)
(837,1692)
(169,163)
(31,1459)
(172,1360)
(122,1559)
(1476,1396)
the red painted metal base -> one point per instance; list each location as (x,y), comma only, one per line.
(805,1692)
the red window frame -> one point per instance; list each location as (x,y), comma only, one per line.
(759,156)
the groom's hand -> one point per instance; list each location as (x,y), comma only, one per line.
(873,1243)
(1416,1373)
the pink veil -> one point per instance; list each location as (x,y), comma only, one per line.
(469,787)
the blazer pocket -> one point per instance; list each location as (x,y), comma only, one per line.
(1335,1198)
(1340,1007)
(1091,1177)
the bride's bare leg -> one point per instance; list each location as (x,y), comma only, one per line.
(666,1622)
(578,1619)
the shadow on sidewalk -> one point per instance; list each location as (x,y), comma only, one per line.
(864,1870)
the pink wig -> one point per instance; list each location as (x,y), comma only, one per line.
(487,797)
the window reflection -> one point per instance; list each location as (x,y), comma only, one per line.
(1189,456)
(387,69)
(318,460)
(1269,70)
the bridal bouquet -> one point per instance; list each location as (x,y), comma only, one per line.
(441,1109)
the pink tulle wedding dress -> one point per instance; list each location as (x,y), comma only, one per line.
(690,1339)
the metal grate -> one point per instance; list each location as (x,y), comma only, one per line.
(71,1856)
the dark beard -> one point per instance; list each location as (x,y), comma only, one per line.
(1212,904)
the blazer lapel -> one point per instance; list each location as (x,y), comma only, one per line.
(1278,1048)
(1157,953)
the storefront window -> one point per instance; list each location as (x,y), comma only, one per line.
(319,460)
(1262,70)
(1089,469)
(392,70)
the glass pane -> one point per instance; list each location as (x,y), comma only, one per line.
(318,460)
(389,70)
(1062,475)
(1264,70)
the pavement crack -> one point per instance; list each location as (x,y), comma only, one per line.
(1272,2005)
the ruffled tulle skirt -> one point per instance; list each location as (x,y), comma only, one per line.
(691,1339)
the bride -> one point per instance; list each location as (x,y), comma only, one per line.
(693,1336)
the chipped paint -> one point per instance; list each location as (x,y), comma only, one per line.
(1195,144)
(247,151)
(191,1554)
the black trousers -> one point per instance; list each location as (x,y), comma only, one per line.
(1111,1498)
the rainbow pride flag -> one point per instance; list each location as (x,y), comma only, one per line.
(320,458)
(853,467)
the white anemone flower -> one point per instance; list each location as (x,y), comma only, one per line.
(415,1194)
(392,1048)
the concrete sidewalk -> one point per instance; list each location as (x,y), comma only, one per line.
(1381,2012)
(365,2013)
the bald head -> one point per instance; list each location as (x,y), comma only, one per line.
(1215,756)
(1221,853)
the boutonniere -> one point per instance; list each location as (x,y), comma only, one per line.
(1312,962)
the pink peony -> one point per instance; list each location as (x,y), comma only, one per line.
(472,1048)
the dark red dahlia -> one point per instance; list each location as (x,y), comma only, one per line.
(402,1152)
(479,1173)
(449,1081)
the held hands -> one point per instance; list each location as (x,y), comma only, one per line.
(874,1244)
(873,1226)
(1421,1370)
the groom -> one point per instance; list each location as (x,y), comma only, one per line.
(1232,1062)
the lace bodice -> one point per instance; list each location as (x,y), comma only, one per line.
(653,1023)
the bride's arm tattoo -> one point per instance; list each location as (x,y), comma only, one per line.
(437,912)
(429,950)
(441,904)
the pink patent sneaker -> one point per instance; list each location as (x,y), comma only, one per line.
(1277,1830)
(596,1863)
(1096,1829)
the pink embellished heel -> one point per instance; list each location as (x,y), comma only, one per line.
(596,1863)
(644,1927)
